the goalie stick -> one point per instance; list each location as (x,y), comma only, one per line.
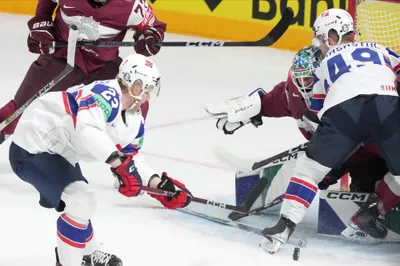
(246,165)
(72,40)
(267,40)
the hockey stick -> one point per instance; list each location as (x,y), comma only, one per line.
(299,242)
(250,200)
(247,165)
(267,40)
(212,203)
(72,39)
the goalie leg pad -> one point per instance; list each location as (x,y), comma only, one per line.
(244,183)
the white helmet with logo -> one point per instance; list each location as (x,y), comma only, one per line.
(333,19)
(138,68)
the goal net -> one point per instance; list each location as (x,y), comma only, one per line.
(377,21)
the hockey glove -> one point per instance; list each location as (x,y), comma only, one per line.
(237,112)
(146,39)
(41,35)
(180,198)
(128,177)
(326,183)
(333,176)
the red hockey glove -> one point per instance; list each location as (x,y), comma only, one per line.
(180,199)
(128,177)
(41,35)
(146,38)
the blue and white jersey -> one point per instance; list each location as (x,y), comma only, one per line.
(353,69)
(82,124)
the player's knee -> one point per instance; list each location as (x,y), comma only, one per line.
(309,168)
(80,202)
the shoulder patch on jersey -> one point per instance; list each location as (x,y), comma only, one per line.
(108,99)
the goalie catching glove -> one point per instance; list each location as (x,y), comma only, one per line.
(179,199)
(237,112)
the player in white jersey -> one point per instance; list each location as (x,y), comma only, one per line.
(355,91)
(60,129)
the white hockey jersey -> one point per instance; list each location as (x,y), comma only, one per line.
(353,69)
(82,124)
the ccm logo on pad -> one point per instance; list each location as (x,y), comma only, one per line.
(358,197)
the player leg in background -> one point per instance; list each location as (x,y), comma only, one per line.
(387,136)
(62,186)
(42,71)
(333,142)
(366,170)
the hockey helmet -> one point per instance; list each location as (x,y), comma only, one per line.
(303,68)
(138,69)
(333,19)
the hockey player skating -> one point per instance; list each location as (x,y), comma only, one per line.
(96,20)
(60,129)
(358,101)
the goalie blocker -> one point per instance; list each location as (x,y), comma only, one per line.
(335,207)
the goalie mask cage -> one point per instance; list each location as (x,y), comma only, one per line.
(377,21)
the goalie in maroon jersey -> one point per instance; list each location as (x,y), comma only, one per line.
(102,20)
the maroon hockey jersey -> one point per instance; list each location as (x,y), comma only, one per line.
(107,23)
(285,100)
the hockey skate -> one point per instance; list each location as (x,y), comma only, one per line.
(368,221)
(274,237)
(97,258)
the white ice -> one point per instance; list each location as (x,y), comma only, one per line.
(179,140)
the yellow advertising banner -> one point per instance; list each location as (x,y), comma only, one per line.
(225,19)
(243,19)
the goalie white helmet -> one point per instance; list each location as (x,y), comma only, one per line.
(138,69)
(335,19)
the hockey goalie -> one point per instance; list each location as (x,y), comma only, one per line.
(261,185)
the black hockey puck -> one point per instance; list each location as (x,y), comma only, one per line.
(74,27)
(296,254)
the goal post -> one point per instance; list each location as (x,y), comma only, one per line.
(377,21)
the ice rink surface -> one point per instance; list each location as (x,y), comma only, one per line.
(179,139)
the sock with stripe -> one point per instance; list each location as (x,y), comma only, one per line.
(298,197)
(72,239)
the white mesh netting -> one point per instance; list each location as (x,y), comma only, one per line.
(378,21)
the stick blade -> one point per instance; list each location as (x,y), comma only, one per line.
(254,194)
(226,157)
(276,33)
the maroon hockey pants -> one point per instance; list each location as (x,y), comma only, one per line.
(46,68)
